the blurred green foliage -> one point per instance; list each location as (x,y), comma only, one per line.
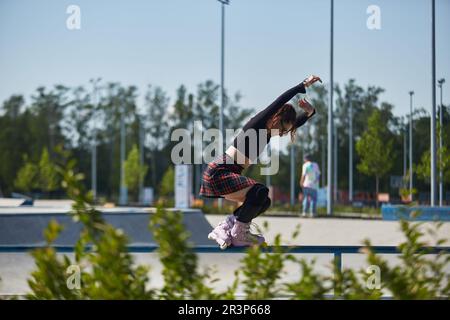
(134,171)
(108,271)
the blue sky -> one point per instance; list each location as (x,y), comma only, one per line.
(270,45)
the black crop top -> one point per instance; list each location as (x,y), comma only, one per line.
(242,141)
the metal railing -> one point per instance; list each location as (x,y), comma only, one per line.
(336,251)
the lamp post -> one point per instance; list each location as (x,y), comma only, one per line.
(433,106)
(330,120)
(335,178)
(411,93)
(292,174)
(222,78)
(405,151)
(123,189)
(350,151)
(141,158)
(441,180)
(95,101)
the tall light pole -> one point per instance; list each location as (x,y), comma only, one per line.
(141,158)
(222,78)
(330,120)
(323,161)
(95,101)
(411,93)
(441,179)
(404,147)
(292,174)
(433,106)
(350,151)
(269,155)
(335,156)
(123,188)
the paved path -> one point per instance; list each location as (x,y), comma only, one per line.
(328,231)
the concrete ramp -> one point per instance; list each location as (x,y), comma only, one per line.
(11,202)
(24,226)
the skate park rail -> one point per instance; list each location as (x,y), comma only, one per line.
(336,251)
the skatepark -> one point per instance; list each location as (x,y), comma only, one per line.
(21,229)
(292,140)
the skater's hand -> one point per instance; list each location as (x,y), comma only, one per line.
(311,80)
(306,106)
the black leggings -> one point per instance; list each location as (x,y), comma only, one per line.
(256,202)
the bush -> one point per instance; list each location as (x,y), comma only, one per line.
(108,271)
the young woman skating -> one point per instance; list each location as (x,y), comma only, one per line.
(223,179)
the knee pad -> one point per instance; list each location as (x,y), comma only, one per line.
(257,194)
(265,205)
(256,202)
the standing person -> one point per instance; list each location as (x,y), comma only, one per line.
(309,182)
(223,177)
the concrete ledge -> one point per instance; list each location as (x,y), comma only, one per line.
(25,226)
(415,213)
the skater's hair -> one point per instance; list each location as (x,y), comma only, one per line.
(286,114)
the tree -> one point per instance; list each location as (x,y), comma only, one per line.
(47,177)
(375,149)
(42,175)
(423,169)
(156,125)
(27,177)
(134,171)
(167,183)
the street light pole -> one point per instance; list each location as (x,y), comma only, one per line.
(330,120)
(441,122)
(350,156)
(269,155)
(405,151)
(94,139)
(123,188)
(335,178)
(222,80)
(222,69)
(141,159)
(433,105)
(411,93)
(292,174)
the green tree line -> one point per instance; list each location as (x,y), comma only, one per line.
(30,128)
(76,117)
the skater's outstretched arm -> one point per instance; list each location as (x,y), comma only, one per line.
(261,118)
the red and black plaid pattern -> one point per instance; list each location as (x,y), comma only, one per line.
(220,178)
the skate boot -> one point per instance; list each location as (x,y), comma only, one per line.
(242,237)
(221,233)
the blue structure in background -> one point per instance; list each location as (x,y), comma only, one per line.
(415,213)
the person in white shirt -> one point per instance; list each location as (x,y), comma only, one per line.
(309,182)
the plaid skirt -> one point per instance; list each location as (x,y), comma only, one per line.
(220,178)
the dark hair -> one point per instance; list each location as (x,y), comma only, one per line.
(286,114)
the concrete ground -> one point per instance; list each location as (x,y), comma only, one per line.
(15,268)
(328,231)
